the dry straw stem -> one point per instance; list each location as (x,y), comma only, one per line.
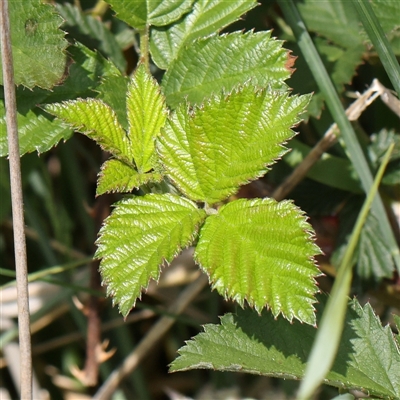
(353,112)
(155,334)
(17,205)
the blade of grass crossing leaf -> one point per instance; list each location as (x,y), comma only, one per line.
(328,336)
(379,40)
(326,86)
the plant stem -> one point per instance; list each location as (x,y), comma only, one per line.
(144,47)
(17,205)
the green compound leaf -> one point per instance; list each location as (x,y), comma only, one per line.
(252,56)
(261,251)
(116,176)
(98,121)
(368,358)
(228,141)
(139,13)
(206,18)
(38,45)
(146,115)
(138,237)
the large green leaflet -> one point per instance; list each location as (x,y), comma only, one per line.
(206,67)
(227,142)
(207,17)
(368,358)
(140,13)
(140,234)
(261,251)
(38,45)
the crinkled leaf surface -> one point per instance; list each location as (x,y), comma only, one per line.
(228,141)
(98,121)
(206,18)
(146,115)
(93,32)
(35,132)
(139,13)
(207,67)
(38,45)
(262,251)
(136,239)
(116,176)
(368,358)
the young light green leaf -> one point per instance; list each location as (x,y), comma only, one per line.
(35,131)
(206,18)
(227,142)
(139,13)
(251,56)
(138,237)
(146,115)
(98,121)
(368,358)
(116,176)
(38,45)
(262,251)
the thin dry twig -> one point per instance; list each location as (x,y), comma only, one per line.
(353,112)
(156,332)
(17,205)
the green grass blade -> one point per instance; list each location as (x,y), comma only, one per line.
(43,273)
(328,336)
(326,86)
(379,40)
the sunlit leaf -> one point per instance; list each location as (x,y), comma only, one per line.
(116,176)
(368,357)
(146,115)
(227,142)
(262,251)
(139,13)
(98,121)
(206,67)
(140,235)
(206,18)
